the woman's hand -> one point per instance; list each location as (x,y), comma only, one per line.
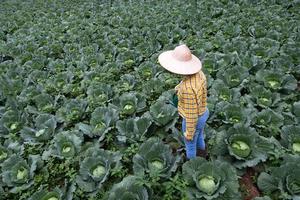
(187,136)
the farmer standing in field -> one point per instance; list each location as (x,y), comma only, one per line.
(192,94)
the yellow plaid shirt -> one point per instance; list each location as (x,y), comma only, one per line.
(192,94)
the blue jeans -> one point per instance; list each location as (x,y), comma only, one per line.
(198,140)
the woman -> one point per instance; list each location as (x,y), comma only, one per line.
(192,94)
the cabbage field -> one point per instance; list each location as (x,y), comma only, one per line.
(86,110)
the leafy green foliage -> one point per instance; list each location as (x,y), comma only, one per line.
(80,74)
(283,179)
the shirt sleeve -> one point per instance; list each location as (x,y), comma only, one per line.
(191,110)
(204,93)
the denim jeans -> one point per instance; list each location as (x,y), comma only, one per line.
(198,140)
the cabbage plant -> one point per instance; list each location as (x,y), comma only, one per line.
(99,94)
(13,120)
(233,76)
(282,182)
(130,188)
(242,145)
(222,92)
(210,180)
(146,70)
(275,81)
(130,103)
(18,173)
(234,114)
(96,168)
(268,122)
(126,83)
(72,111)
(102,120)
(133,129)
(163,113)
(45,103)
(66,144)
(154,158)
(43,194)
(264,97)
(42,130)
(296,110)
(290,136)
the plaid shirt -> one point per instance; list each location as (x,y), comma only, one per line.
(192,94)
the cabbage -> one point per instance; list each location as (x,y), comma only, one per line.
(296,147)
(241,149)
(66,149)
(22,173)
(157,164)
(40,132)
(14,126)
(274,83)
(53,198)
(128,109)
(99,171)
(3,155)
(207,184)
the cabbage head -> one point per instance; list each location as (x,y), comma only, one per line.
(154,158)
(282,181)
(130,188)
(211,180)
(18,173)
(96,167)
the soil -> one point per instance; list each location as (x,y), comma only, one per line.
(249,189)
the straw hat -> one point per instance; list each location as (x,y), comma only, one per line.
(180,61)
